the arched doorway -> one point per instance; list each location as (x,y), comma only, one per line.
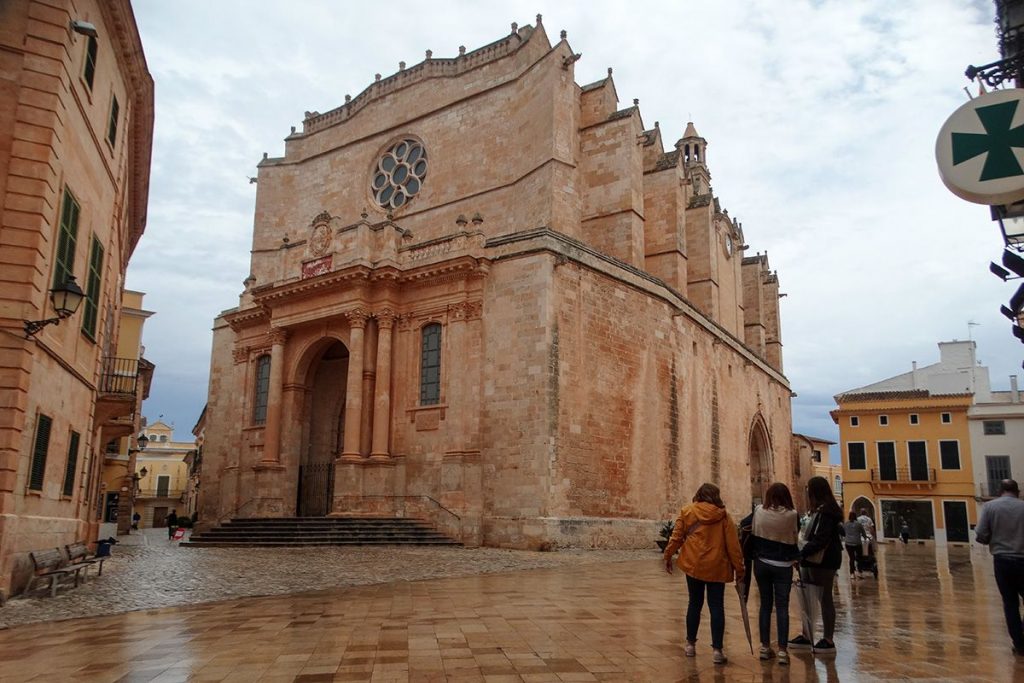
(862,503)
(760,460)
(324,432)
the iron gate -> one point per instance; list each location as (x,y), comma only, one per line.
(316,489)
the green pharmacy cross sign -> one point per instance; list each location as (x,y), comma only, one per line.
(998,141)
(978,146)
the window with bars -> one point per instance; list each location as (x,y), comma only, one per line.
(92,290)
(259,411)
(89,73)
(37,473)
(994,427)
(67,240)
(430,365)
(115,110)
(72,464)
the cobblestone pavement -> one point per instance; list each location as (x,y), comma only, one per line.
(161,575)
(933,615)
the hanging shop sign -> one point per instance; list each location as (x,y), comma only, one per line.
(980,149)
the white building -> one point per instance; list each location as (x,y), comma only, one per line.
(997,439)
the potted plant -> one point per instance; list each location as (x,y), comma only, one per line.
(666,534)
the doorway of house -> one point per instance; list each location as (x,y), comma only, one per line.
(159,517)
(760,463)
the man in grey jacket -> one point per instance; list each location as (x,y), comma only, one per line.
(1001,528)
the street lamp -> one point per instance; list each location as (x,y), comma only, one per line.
(65,299)
(1011,224)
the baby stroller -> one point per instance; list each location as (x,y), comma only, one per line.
(866,561)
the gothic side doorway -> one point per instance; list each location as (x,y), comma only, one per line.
(324,431)
(760,462)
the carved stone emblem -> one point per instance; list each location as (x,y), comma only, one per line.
(320,240)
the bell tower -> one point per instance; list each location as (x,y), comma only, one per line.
(693,150)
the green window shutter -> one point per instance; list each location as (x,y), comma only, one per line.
(112,125)
(92,290)
(69,471)
(67,240)
(42,444)
(90,61)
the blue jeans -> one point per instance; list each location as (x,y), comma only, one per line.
(774,584)
(1009,571)
(716,605)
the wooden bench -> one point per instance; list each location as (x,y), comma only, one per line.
(50,564)
(78,553)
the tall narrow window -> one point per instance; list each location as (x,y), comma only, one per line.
(856,456)
(39,449)
(69,470)
(66,241)
(430,365)
(92,290)
(112,124)
(949,455)
(90,61)
(259,411)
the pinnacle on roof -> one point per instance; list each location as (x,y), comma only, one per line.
(690,131)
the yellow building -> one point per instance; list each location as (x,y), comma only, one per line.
(117,486)
(163,476)
(906,457)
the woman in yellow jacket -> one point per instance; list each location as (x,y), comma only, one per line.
(711,557)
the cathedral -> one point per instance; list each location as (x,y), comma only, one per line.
(486,296)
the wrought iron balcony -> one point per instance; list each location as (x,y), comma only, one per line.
(917,477)
(168,494)
(120,376)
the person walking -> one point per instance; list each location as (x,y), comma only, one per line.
(172,524)
(820,558)
(869,559)
(710,557)
(1001,528)
(853,536)
(905,532)
(773,527)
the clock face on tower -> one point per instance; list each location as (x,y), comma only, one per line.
(728,244)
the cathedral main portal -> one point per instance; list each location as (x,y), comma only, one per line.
(323,431)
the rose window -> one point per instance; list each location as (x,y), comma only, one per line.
(399,174)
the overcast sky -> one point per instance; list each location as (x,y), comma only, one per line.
(821,120)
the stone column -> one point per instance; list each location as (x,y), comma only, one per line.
(354,386)
(272,429)
(382,387)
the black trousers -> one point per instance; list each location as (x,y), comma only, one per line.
(716,605)
(1009,571)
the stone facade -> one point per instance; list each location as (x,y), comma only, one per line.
(76,119)
(550,338)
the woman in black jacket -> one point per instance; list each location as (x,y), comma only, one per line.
(820,559)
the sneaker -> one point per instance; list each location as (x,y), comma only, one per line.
(718,657)
(823,647)
(766,653)
(690,650)
(783,658)
(800,643)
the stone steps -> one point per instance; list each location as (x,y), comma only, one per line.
(319,531)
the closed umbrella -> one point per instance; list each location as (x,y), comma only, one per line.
(746,615)
(809,597)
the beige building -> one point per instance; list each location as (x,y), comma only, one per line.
(76,119)
(163,476)
(811,459)
(485,295)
